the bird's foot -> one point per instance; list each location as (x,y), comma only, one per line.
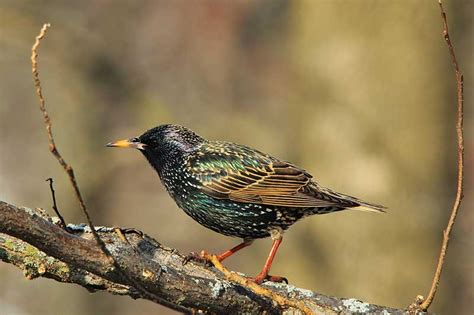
(263,278)
(202,258)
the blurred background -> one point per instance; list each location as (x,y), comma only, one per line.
(359,93)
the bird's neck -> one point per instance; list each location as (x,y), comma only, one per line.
(164,160)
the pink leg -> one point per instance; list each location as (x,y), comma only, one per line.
(263,275)
(233,250)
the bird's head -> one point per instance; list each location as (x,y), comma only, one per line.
(164,141)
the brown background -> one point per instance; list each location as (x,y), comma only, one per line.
(359,93)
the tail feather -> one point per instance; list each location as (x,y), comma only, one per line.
(363,205)
(370,207)
(352,202)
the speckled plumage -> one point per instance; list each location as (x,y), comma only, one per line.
(233,189)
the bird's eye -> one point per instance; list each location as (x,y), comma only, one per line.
(135,139)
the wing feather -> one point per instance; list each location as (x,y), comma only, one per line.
(241,174)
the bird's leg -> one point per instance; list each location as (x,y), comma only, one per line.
(234,249)
(221,257)
(263,275)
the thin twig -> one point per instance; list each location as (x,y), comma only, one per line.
(52,145)
(55,207)
(459,192)
(72,178)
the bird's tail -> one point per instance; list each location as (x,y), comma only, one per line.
(370,207)
(353,202)
(361,205)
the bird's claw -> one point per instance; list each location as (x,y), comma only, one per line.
(278,279)
(200,258)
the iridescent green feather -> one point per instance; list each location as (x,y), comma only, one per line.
(214,157)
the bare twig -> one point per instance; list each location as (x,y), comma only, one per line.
(55,207)
(70,172)
(425,304)
(47,122)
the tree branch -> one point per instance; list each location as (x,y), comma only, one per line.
(32,242)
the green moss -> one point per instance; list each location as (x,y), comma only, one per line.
(34,259)
(7,243)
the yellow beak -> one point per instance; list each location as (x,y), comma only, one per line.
(126,144)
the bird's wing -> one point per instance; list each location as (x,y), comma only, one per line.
(238,173)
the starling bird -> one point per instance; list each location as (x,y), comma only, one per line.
(236,190)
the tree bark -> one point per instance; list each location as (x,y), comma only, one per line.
(30,240)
